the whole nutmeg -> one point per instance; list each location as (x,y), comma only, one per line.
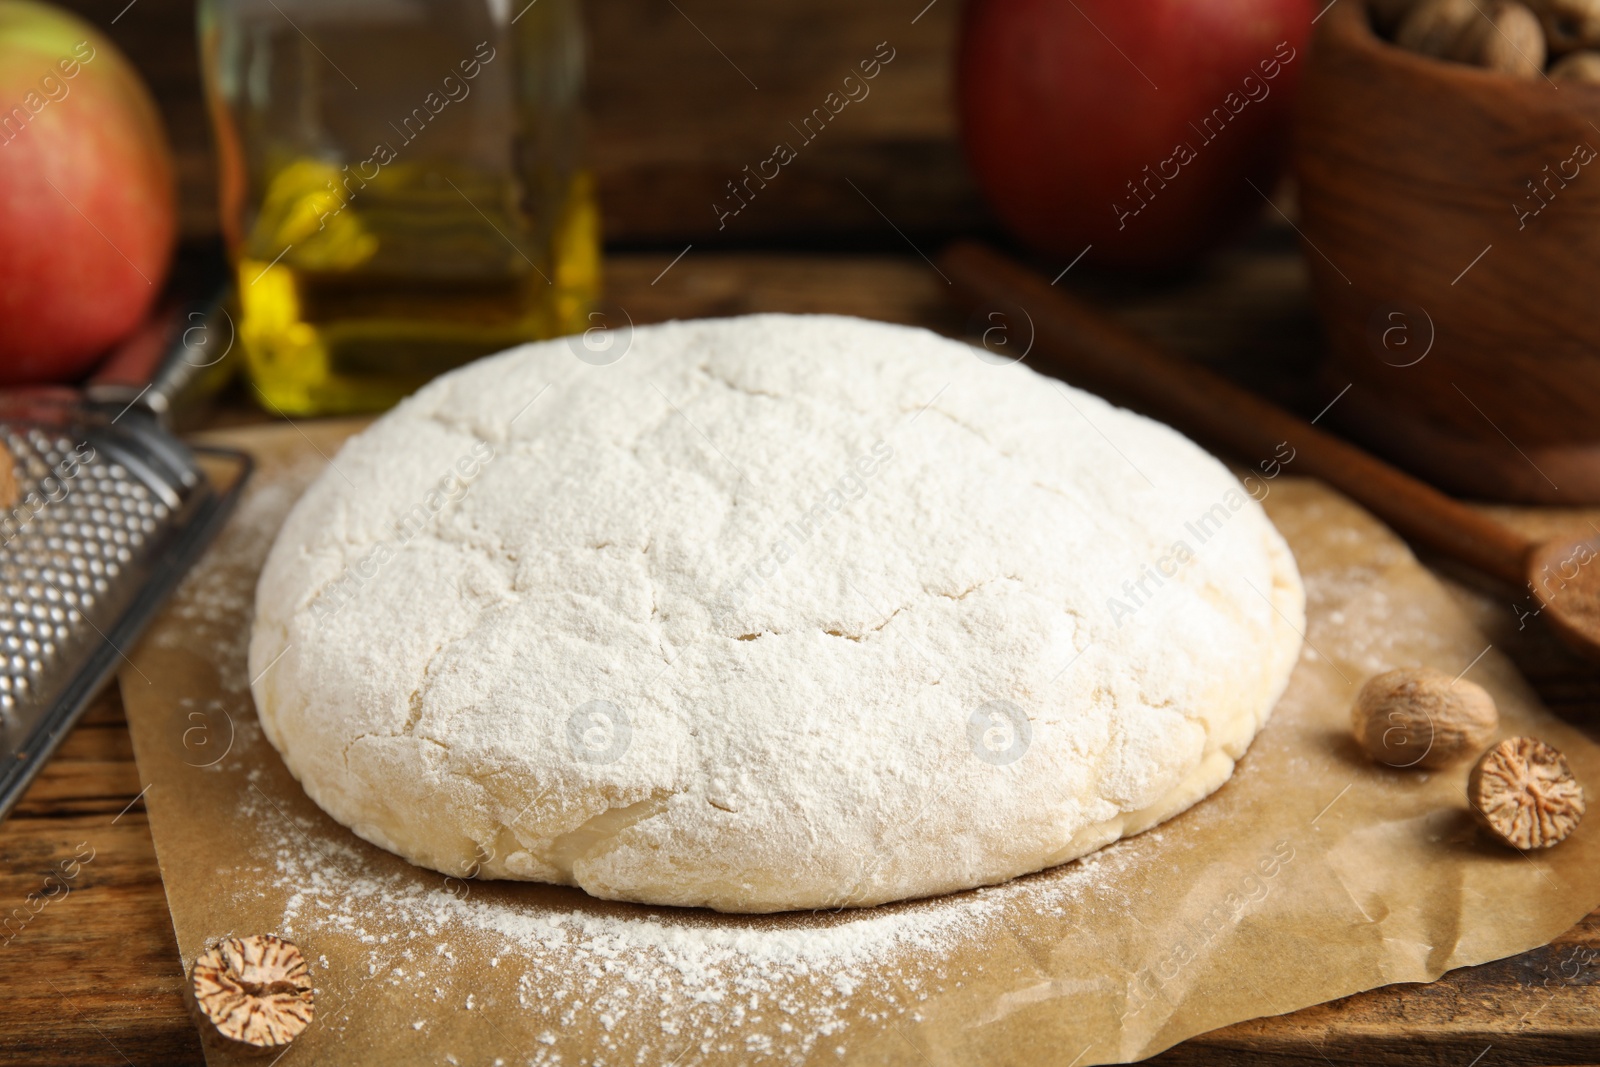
(1522,791)
(1577,67)
(1432,27)
(1569,24)
(1505,37)
(1420,717)
(1500,35)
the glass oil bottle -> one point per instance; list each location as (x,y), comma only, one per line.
(401,189)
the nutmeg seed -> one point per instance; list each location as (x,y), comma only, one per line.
(1506,37)
(1577,67)
(1522,791)
(1499,35)
(253,993)
(1420,717)
(1569,24)
(1431,27)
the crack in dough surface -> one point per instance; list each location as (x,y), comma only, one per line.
(746,620)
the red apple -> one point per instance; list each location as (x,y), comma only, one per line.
(1147,129)
(87,215)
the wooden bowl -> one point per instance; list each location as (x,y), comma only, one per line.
(1451,218)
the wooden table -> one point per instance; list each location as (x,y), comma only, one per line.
(94,978)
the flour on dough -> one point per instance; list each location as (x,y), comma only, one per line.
(774,612)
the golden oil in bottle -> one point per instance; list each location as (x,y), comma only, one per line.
(400,188)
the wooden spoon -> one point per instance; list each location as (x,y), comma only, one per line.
(1073,341)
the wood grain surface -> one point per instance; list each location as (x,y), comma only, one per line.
(93,977)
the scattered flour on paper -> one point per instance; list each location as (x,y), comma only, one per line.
(656,984)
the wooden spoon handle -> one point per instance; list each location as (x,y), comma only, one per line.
(1084,346)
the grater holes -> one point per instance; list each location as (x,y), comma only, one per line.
(85,519)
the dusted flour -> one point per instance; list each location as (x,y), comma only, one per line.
(661,984)
(775,612)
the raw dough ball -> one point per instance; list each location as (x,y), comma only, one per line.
(773,612)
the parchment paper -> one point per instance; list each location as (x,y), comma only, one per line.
(1311,875)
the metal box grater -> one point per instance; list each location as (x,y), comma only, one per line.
(111,510)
